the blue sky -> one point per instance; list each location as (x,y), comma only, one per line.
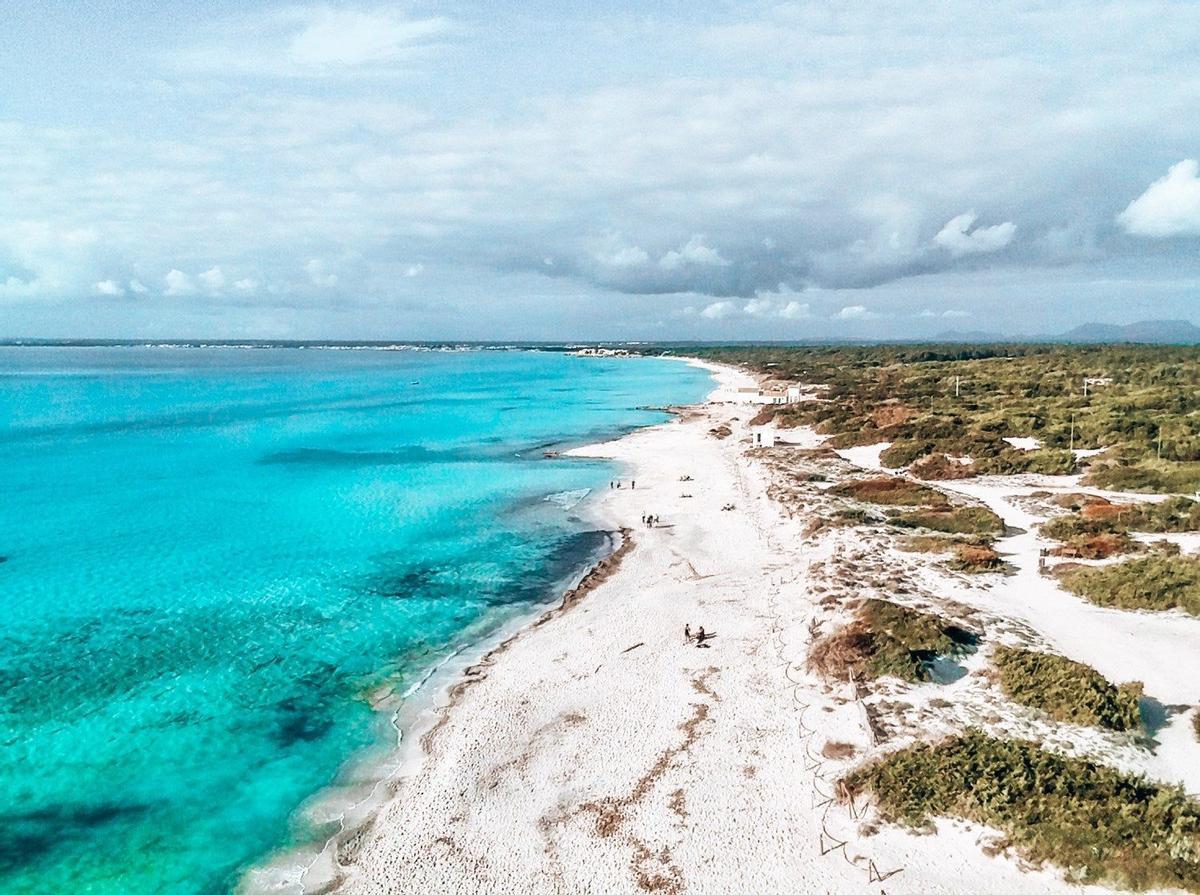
(563,170)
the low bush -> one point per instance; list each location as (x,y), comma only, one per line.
(976,558)
(1067,691)
(1105,825)
(885,639)
(953,520)
(1045,461)
(891,491)
(1150,476)
(930,544)
(1097,515)
(939,467)
(903,453)
(1196,724)
(1158,582)
(1099,546)
(764,416)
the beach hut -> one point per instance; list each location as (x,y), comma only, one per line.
(763,436)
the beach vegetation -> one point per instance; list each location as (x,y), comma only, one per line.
(1160,581)
(886,639)
(1141,405)
(1066,690)
(1101,824)
(976,558)
(939,467)
(961,520)
(904,452)
(891,491)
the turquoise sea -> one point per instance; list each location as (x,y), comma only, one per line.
(211,555)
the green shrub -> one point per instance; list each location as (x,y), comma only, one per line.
(1158,582)
(1173,514)
(903,453)
(1065,690)
(1014,462)
(1106,825)
(891,491)
(953,520)
(1196,724)
(1150,476)
(886,639)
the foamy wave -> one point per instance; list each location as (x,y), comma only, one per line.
(568,499)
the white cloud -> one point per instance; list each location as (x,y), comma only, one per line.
(628,256)
(719,310)
(178,283)
(348,37)
(246,285)
(758,307)
(694,251)
(213,279)
(949,313)
(414,270)
(137,287)
(794,310)
(109,287)
(1169,207)
(958,238)
(319,275)
(314,41)
(855,312)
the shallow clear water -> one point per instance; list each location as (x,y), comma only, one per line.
(211,555)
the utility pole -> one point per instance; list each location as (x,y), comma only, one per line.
(1160,442)
(1072,431)
(956,386)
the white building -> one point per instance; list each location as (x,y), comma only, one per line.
(789,395)
(763,436)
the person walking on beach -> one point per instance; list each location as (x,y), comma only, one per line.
(633,483)
(700,635)
(687,633)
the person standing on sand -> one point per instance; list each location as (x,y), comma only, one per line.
(633,483)
(687,633)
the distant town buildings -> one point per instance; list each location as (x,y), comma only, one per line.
(601,352)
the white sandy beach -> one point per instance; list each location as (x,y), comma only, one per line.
(597,752)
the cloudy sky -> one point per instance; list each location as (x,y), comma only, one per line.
(553,169)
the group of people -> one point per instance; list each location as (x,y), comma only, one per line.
(632,484)
(650,521)
(699,637)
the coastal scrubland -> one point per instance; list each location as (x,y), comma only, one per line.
(1101,824)
(1125,418)
(1157,582)
(1066,690)
(949,411)
(887,639)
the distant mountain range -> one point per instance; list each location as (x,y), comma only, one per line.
(1159,332)
(1167,332)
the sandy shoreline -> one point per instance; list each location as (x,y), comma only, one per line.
(594,751)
